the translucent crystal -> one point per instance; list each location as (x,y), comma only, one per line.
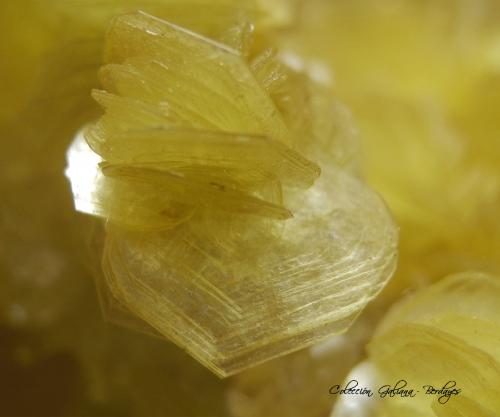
(203,77)
(239,269)
(213,238)
(447,332)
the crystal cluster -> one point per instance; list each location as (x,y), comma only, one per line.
(221,234)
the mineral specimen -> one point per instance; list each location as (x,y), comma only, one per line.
(422,80)
(216,236)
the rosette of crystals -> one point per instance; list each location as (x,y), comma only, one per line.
(221,233)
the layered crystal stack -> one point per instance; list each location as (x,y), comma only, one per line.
(221,234)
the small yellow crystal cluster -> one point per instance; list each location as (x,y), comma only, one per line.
(213,238)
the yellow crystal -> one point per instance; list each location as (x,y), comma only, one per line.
(447,332)
(216,235)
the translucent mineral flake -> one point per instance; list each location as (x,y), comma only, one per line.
(220,285)
(210,86)
(221,235)
(447,332)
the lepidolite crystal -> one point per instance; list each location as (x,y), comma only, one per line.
(221,233)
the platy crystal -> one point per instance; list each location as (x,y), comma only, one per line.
(446,337)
